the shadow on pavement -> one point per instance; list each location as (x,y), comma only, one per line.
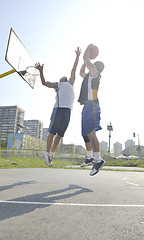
(8,210)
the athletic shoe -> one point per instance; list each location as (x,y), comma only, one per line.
(48,158)
(96,167)
(87,162)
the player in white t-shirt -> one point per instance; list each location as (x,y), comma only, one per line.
(62,109)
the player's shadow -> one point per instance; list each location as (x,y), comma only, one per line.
(6,187)
(8,210)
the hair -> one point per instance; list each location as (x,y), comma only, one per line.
(99,65)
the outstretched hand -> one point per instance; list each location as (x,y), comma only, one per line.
(78,51)
(39,67)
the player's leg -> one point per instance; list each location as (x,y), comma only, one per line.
(56,142)
(52,131)
(49,141)
(48,155)
(89,154)
(91,123)
(94,141)
(98,162)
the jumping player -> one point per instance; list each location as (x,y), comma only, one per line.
(91,110)
(62,109)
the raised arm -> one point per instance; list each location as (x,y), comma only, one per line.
(47,84)
(82,70)
(73,71)
(89,65)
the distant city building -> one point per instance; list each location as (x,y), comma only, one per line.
(129,143)
(104,147)
(11,119)
(71,148)
(45,134)
(135,150)
(33,128)
(22,141)
(117,148)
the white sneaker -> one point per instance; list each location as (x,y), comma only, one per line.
(87,162)
(48,158)
(96,167)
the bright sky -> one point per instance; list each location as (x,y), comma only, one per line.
(51,31)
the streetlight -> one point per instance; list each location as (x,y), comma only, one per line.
(109,128)
(138,148)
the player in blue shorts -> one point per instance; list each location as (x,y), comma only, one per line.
(91,110)
(62,109)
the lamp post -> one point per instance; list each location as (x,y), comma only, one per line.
(139,149)
(109,128)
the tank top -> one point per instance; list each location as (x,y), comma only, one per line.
(65,95)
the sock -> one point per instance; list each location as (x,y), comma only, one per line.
(97,156)
(52,153)
(89,154)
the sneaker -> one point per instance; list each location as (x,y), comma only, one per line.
(87,162)
(48,158)
(96,167)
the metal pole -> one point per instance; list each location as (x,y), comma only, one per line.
(109,140)
(7,73)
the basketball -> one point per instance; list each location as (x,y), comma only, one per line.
(93,52)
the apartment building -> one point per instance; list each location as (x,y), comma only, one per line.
(33,128)
(45,134)
(11,119)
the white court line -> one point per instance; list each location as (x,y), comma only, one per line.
(124,179)
(74,204)
(131,183)
(135,184)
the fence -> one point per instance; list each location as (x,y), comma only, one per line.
(24,146)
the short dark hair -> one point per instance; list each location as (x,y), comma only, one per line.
(99,65)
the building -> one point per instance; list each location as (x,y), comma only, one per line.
(103,147)
(11,119)
(22,141)
(129,143)
(45,134)
(33,128)
(71,148)
(135,150)
(117,148)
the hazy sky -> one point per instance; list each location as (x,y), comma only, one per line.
(51,31)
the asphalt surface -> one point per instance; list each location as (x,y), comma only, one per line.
(56,204)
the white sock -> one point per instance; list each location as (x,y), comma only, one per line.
(97,156)
(89,154)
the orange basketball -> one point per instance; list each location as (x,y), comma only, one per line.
(93,52)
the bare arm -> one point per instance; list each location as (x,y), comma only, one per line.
(90,66)
(47,84)
(82,70)
(73,71)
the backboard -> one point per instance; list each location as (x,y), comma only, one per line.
(19,58)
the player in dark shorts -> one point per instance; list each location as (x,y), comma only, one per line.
(62,110)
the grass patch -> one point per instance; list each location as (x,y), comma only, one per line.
(126,163)
(32,163)
(60,163)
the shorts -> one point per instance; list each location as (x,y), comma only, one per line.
(90,119)
(59,121)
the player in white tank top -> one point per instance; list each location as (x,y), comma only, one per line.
(64,101)
(65,95)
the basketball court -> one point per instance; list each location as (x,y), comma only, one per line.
(69,204)
(66,204)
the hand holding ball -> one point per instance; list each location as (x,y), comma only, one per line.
(93,51)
